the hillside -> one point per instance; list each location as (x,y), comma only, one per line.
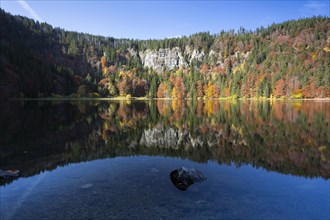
(291,59)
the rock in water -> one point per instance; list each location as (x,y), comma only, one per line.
(183,177)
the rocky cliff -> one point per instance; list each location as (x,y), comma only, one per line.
(166,58)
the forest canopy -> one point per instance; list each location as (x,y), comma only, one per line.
(286,60)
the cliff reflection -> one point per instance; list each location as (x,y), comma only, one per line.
(290,138)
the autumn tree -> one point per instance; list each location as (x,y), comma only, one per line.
(179,90)
(162,90)
(124,86)
(279,88)
(199,88)
(140,87)
(112,89)
(215,91)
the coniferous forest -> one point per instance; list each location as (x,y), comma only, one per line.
(286,60)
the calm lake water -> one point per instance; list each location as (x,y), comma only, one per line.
(112,160)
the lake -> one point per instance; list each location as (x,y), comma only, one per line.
(114,160)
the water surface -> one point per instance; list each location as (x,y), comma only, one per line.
(101,160)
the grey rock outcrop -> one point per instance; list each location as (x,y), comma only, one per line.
(175,57)
(196,55)
(157,60)
(132,52)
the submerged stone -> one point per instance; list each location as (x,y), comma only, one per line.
(183,177)
(86,186)
(154,170)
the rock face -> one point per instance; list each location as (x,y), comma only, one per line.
(196,55)
(175,57)
(157,60)
(183,177)
(169,58)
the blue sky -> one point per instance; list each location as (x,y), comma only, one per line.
(160,19)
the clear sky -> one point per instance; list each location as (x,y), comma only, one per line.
(160,19)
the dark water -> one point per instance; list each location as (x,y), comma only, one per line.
(112,160)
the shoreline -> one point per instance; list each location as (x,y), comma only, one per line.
(122,98)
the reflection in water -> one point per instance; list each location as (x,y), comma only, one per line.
(286,137)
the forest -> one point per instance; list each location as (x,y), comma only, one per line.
(290,60)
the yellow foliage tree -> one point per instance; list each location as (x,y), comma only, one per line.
(103,62)
(209,90)
(174,105)
(174,92)
(105,71)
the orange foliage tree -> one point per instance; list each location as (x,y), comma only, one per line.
(179,90)
(124,86)
(161,91)
(279,88)
(215,91)
(199,88)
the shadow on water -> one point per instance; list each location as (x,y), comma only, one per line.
(286,137)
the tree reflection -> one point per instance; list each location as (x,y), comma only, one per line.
(291,138)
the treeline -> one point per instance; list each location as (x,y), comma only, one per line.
(291,59)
